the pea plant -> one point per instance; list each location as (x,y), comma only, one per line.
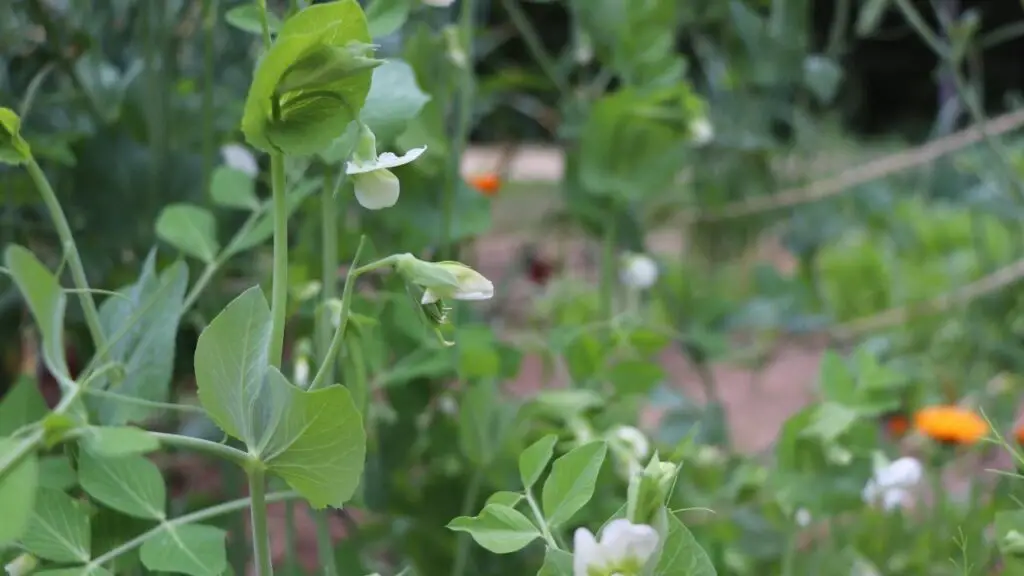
(294,438)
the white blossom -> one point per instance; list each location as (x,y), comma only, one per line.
(803,517)
(623,550)
(377,187)
(892,483)
(638,271)
(634,439)
(239,158)
(701,131)
(472,285)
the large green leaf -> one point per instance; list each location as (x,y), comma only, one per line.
(194,549)
(233,188)
(572,481)
(129,484)
(58,529)
(17,493)
(144,320)
(393,100)
(47,301)
(13,148)
(191,229)
(498,528)
(681,555)
(314,440)
(23,404)
(304,121)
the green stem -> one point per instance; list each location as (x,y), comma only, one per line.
(260,534)
(31,443)
(463,121)
(70,249)
(209,11)
(329,358)
(279,292)
(329,274)
(143,402)
(290,537)
(608,269)
(211,269)
(264,23)
(468,500)
(222,451)
(538,516)
(198,516)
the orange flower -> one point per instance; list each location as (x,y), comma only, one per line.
(951,424)
(487,184)
(1018,433)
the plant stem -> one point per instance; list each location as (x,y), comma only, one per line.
(209,11)
(260,534)
(329,276)
(468,499)
(197,516)
(538,516)
(328,359)
(264,24)
(60,222)
(31,443)
(211,269)
(279,292)
(217,449)
(463,125)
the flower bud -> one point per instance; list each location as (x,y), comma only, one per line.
(649,490)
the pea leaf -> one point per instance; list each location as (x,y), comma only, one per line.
(22,405)
(194,549)
(189,228)
(58,529)
(88,570)
(499,529)
(393,100)
(118,441)
(314,440)
(534,459)
(56,472)
(510,499)
(571,483)
(681,555)
(233,188)
(129,484)
(556,563)
(145,316)
(17,492)
(322,39)
(13,148)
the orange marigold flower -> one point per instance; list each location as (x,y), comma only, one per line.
(486,184)
(951,424)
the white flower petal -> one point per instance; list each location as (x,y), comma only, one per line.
(376,190)
(803,517)
(701,131)
(635,439)
(429,297)
(621,539)
(638,271)
(239,158)
(438,3)
(585,552)
(385,160)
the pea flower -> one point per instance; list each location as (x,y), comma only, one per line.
(239,158)
(375,185)
(803,517)
(638,271)
(623,550)
(633,439)
(701,131)
(440,280)
(892,483)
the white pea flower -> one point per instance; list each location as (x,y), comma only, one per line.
(634,439)
(472,285)
(624,549)
(701,131)
(803,517)
(638,271)
(892,483)
(376,187)
(239,158)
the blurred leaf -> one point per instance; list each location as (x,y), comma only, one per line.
(822,77)
(499,529)
(233,188)
(387,16)
(248,18)
(129,484)
(571,483)
(484,419)
(58,529)
(23,404)
(635,376)
(118,441)
(556,563)
(145,316)
(189,228)
(17,492)
(13,148)
(394,98)
(477,353)
(534,459)
(870,16)
(194,549)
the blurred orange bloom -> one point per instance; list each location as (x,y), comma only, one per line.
(487,184)
(897,424)
(1018,433)
(951,424)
